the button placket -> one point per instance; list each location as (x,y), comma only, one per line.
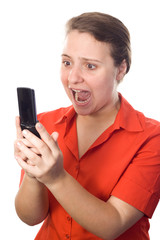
(68,227)
(68,218)
(77,168)
(67,236)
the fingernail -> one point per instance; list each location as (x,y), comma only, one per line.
(39,125)
(24,132)
(19,144)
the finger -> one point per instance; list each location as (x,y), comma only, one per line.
(39,147)
(28,168)
(30,145)
(28,153)
(27,143)
(18,152)
(18,128)
(45,146)
(30,162)
(47,138)
(50,140)
(55,136)
(35,150)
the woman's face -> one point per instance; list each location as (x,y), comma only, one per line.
(88,73)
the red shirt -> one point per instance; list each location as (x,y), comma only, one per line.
(124,161)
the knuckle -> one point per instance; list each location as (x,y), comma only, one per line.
(33,157)
(35,150)
(48,138)
(15,147)
(27,143)
(58,154)
(42,146)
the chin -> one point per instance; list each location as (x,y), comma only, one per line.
(82,111)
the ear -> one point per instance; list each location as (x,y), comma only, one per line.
(122,68)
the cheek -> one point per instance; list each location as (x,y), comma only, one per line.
(64,77)
(104,87)
(64,81)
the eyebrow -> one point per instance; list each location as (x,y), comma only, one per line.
(65,55)
(83,58)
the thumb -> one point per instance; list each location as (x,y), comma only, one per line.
(55,136)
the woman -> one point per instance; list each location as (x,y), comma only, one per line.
(96,174)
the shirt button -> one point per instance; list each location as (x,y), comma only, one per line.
(67,236)
(68,218)
(77,167)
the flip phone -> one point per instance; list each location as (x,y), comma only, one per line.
(27,109)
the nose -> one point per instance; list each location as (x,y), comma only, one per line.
(75,75)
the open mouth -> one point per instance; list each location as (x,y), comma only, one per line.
(81,96)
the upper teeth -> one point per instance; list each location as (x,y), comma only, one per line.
(76,90)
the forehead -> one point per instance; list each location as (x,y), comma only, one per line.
(85,44)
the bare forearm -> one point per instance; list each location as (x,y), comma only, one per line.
(31,202)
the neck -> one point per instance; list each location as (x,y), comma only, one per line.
(105,114)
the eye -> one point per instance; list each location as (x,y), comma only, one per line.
(66,63)
(91,66)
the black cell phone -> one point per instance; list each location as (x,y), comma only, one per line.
(27,109)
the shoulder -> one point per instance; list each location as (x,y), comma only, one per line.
(135,121)
(53,116)
(55,120)
(149,125)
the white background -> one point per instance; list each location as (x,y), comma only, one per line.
(31,39)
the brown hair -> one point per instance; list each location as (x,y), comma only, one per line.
(105,28)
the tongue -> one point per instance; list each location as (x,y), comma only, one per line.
(82,96)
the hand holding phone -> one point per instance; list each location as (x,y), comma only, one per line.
(27,109)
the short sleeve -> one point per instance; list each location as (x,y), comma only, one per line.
(21,177)
(140,183)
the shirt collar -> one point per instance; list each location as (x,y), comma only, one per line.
(127,118)
(66,114)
